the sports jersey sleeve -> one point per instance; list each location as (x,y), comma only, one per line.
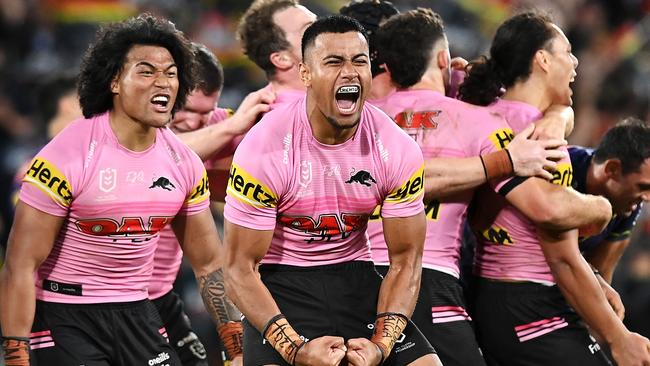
(405,173)
(256,179)
(198,197)
(53,175)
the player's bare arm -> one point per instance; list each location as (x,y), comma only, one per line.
(202,247)
(554,207)
(28,246)
(557,123)
(525,157)
(580,287)
(605,257)
(209,140)
(245,248)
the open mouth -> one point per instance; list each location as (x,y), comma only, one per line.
(347,97)
(160,102)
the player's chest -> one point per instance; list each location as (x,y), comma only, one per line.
(114,178)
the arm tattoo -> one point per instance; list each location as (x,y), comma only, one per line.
(213,292)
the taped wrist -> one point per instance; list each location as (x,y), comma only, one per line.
(497,164)
(388,329)
(232,337)
(279,333)
(16,351)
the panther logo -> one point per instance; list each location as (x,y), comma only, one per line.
(163,183)
(361,177)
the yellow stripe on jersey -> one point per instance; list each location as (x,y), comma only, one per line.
(200,192)
(563,176)
(409,191)
(50,180)
(249,190)
(501,137)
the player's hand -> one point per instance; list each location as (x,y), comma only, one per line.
(631,349)
(362,352)
(613,298)
(237,361)
(535,157)
(458,63)
(16,351)
(557,123)
(322,351)
(255,103)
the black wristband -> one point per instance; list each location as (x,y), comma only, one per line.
(270,322)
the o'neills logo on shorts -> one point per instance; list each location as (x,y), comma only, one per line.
(409,191)
(162,357)
(50,180)
(247,189)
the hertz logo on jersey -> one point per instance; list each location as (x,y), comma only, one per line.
(501,137)
(50,180)
(247,189)
(409,191)
(563,175)
(200,192)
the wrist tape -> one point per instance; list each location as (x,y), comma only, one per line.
(388,329)
(232,335)
(497,164)
(284,339)
(16,351)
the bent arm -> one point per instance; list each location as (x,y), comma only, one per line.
(201,245)
(28,246)
(579,285)
(207,141)
(245,248)
(405,241)
(605,257)
(555,207)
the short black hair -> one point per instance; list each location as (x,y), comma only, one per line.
(406,41)
(105,58)
(330,24)
(209,72)
(371,14)
(628,141)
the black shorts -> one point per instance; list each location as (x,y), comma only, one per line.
(441,316)
(114,334)
(530,324)
(336,300)
(181,336)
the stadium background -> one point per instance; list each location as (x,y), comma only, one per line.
(42,39)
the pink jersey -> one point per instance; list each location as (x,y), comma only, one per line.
(510,248)
(169,255)
(114,201)
(443,127)
(317,198)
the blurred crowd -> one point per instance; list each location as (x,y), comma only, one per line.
(43,40)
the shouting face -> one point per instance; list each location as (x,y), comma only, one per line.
(145,89)
(336,72)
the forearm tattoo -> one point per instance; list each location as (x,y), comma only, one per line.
(213,292)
